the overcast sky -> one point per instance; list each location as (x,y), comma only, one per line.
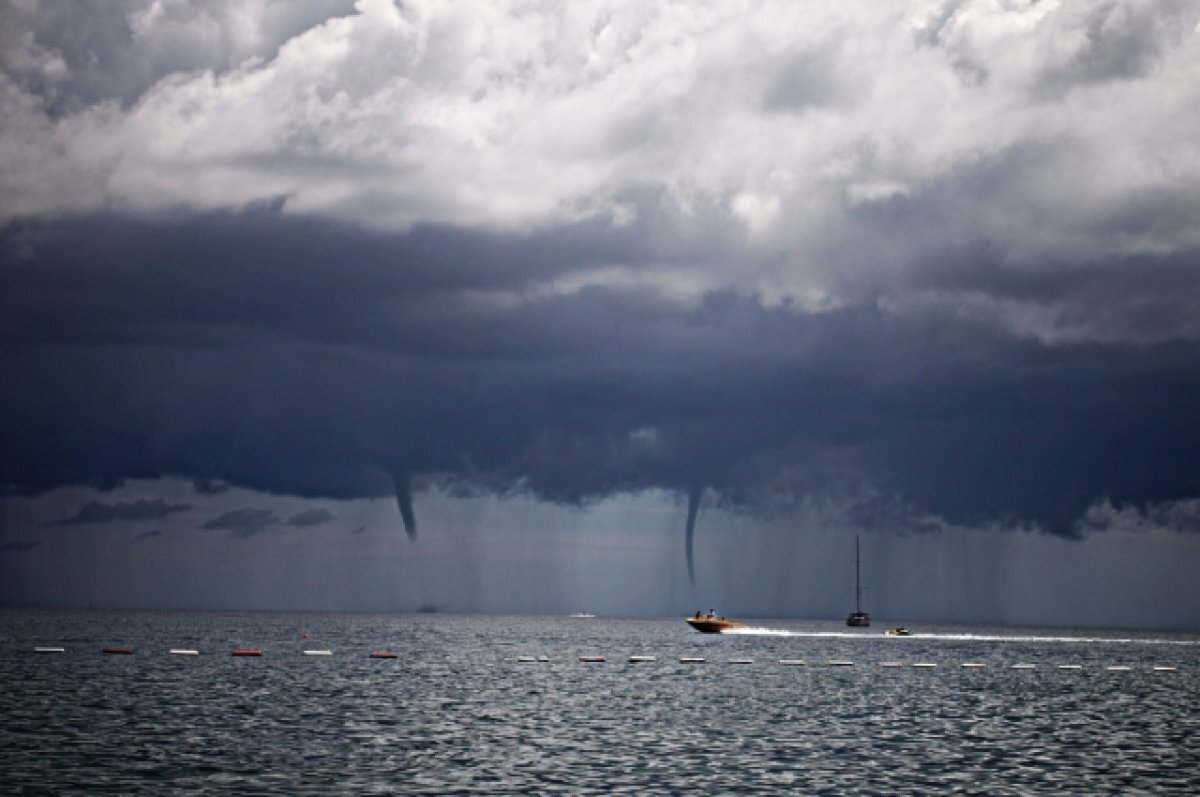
(376,305)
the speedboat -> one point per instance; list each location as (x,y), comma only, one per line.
(898,631)
(708,624)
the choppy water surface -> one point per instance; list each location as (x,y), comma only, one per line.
(459,712)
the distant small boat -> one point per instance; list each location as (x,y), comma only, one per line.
(582,616)
(709,624)
(898,631)
(858,618)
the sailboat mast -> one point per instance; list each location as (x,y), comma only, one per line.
(858,618)
(857,586)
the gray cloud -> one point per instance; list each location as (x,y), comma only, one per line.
(97,512)
(85,53)
(519,117)
(148,535)
(311,517)
(244,522)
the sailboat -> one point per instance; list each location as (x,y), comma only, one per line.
(857,618)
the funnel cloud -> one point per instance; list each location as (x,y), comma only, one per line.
(693,507)
(404,501)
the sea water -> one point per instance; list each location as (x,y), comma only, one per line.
(504,705)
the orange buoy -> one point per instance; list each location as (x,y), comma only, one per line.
(247,652)
(382,654)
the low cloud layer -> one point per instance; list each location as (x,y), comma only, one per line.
(913,265)
(311,517)
(99,512)
(19,546)
(244,522)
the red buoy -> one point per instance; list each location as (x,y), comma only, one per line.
(247,652)
(119,651)
(382,654)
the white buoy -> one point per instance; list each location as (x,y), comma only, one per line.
(741,661)
(543,659)
(49,650)
(1164,669)
(890,665)
(593,659)
(1119,668)
(525,659)
(318,653)
(923,665)
(792,662)
(183,652)
(973,665)
(1070,666)
(1023,667)
(638,659)
(840,663)
(691,660)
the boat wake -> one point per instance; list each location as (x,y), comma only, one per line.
(960,637)
(1064,639)
(783,632)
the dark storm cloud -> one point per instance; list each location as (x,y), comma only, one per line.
(295,357)
(244,522)
(19,546)
(100,512)
(311,517)
(148,535)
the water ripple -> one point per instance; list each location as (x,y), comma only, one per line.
(456,713)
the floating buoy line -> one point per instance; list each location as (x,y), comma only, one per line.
(252,652)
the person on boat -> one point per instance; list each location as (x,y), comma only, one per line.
(697,615)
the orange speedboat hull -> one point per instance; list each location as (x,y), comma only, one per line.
(712,625)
